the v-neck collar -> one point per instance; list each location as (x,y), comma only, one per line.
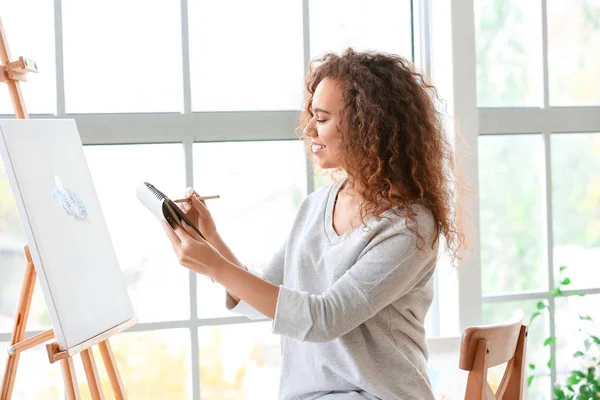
(332,235)
(330,232)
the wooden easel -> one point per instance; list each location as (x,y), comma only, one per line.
(12,73)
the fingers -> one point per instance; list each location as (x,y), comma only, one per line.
(181,233)
(173,237)
(200,206)
(185,207)
(191,232)
(189,191)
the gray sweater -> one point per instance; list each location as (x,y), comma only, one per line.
(351,308)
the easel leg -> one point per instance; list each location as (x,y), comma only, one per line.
(92,374)
(112,371)
(19,327)
(68,370)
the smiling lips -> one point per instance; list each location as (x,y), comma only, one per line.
(317,147)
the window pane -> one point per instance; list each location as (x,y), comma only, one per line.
(537,353)
(508,38)
(239,362)
(442,319)
(31,35)
(573,56)
(261,185)
(512,217)
(158,285)
(122,56)
(447,380)
(246,55)
(36,377)
(576,207)
(12,265)
(570,338)
(153,365)
(383,25)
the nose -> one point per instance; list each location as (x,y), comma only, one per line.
(309,129)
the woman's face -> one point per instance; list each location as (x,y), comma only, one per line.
(322,130)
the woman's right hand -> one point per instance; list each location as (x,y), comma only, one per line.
(197,211)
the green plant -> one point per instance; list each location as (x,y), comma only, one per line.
(582,383)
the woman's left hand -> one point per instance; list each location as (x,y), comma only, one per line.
(192,250)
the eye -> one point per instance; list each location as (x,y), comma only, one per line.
(319,119)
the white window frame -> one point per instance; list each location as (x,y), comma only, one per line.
(475,121)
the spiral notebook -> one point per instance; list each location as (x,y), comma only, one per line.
(162,206)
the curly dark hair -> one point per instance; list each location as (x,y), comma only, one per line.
(394,143)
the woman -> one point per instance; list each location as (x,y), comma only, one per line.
(349,290)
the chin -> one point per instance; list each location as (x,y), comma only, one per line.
(325,164)
(325,161)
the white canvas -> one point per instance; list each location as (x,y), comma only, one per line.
(74,257)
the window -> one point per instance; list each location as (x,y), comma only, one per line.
(511,186)
(206,96)
(573,60)
(246,60)
(239,362)
(166,365)
(252,190)
(122,61)
(382,25)
(158,287)
(31,37)
(509,53)
(575,207)
(538,173)
(570,339)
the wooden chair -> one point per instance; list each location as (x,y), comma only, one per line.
(487,346)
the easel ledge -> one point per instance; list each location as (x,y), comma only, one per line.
(54,354)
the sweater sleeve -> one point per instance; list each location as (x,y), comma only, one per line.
(388,270)
(273,273)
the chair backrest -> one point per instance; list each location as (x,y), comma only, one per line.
(487,346)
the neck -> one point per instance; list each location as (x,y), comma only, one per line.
(351,186)
(348,192)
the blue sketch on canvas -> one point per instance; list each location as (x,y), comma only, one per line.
(69,201)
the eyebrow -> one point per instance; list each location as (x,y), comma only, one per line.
(321,110)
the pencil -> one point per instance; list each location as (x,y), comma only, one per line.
(199,198)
